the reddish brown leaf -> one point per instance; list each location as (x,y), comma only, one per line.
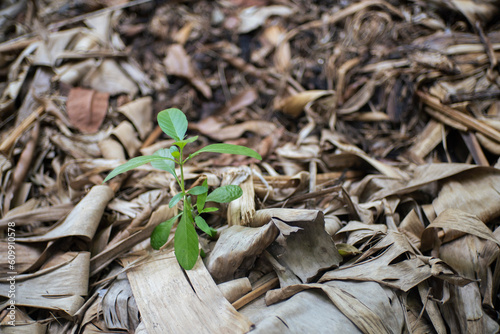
(86,109)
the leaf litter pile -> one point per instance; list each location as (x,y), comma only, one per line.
(375,207)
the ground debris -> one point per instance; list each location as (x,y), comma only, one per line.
(375,208)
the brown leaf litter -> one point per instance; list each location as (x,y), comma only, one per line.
(374,210)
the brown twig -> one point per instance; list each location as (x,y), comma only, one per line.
(468,121)
(23,166)
(254,294)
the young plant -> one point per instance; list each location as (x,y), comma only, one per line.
(174,123)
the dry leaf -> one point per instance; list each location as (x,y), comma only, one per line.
(461,221)
(238,246)
(140,112)
(253,17)
(294,105)
(178,63)
(240,101)
(109,77)
(60,289)
(200,296)
(86,109)
(83,220)
(217,130)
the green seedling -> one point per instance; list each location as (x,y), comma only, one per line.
(174,123)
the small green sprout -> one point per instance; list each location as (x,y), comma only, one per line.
(174,123)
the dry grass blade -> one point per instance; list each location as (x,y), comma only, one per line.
(468,121)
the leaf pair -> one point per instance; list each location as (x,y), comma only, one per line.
(174,123)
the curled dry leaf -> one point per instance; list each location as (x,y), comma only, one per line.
(303,246)
(216,130)
(253,17)
(270,38)
(83,220)
(472,192)
(127,135)
(295,104)
(86,109)
(178,63)
(119,307)
(240,101)
(235,289)
(139,112)
(237,249)
(109,77)
(283,54)
(461,221)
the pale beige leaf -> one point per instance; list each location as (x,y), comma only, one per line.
(476,192)
(186,298)
(240,101)
(253,17)
(42,214)
(83,220)
(241,211)
(127,135)
(220,131)
(294,105)
(110,78)
(140,113)
(60,289)
(235,289)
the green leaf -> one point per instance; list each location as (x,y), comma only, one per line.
(175,200)
(167,164)
(198,190)
(173,122)
(229,148)
(131,164)
(225,194)
(209,210)
(201,198)
(186,243)
(161,232)
(202,224)
(184,142)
